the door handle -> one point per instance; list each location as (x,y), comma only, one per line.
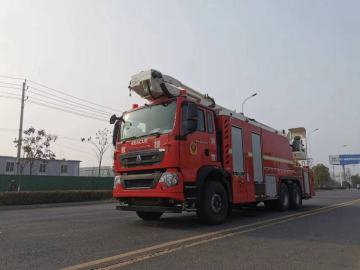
(207,152)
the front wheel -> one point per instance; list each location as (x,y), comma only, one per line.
(213,207)
(149,215)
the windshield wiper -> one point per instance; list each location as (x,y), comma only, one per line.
(157,133)
(129,138)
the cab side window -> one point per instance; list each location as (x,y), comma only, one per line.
(184,117)
(201,121)
(210,122)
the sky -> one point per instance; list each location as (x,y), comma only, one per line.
(301,57)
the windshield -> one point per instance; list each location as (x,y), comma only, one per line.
(156,119)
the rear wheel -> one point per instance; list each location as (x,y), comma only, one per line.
(213,207)
(149,215)
(295,197)
(284,200)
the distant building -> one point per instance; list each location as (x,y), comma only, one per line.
(53,167)
(105,171)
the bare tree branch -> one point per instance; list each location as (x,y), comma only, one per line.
(100,143)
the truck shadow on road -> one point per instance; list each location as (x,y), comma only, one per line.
(238,217)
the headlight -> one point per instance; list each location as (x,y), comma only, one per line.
(170,179)
(117,181)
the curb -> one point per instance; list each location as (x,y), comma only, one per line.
(51,205)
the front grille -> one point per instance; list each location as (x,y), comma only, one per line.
(133,159)
(138,183)
(140,180)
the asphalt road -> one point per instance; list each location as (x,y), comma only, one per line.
(325,234)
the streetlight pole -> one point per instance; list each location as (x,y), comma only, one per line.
(343,176)
(308,144)
(246,99)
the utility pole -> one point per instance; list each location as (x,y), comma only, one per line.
(20,133)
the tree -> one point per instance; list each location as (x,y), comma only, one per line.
(321,175)
(35,146)
(101,143)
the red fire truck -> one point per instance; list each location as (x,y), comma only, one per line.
(183,152)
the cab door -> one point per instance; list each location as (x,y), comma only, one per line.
(195,148)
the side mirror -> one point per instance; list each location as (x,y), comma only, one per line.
(113,119)
(117,121)
(116,132)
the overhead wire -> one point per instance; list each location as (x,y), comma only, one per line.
(16,84)
(11,77)
(9,93)
(9,87)
(64,93)
(68,111)
(61,99)
(73,148)
(62,102)
(64,106)
(10,97)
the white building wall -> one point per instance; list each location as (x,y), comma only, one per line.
(53,167)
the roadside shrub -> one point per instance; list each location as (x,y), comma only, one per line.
(37,197)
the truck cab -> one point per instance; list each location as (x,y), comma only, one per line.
(160,148)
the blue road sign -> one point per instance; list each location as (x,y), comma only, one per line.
(349,159)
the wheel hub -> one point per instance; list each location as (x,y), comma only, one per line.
(216,203)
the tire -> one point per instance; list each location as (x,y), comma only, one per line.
(284,200)
(213,207)
(295,197)
(149,215)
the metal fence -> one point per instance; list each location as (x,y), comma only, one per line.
(38,183)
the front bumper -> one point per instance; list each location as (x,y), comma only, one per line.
(131,194)
(150,204)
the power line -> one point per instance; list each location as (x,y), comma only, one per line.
(9,87)
(85,110)
(71,110)
(65,107)
(16,84)
(68,111)
(74,149)
(11,77)
(63,93)
(68,138)
(9,97)
(9,93)
(66,101)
